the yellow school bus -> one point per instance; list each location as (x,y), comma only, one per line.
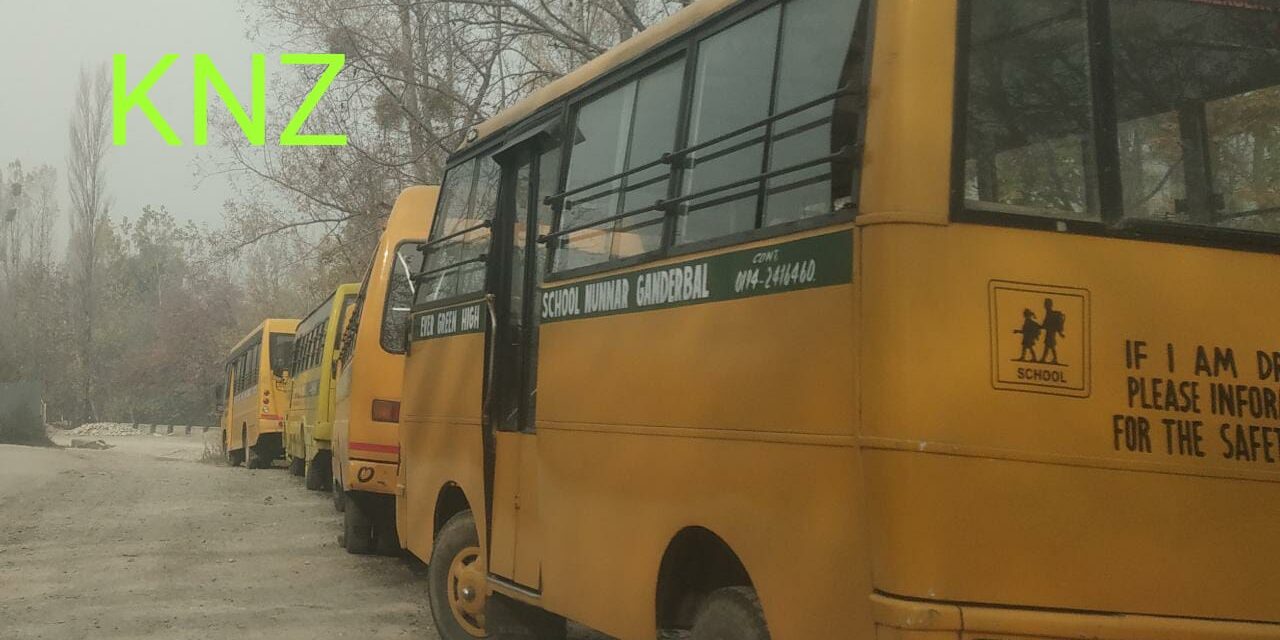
(899,319)
(257,394)
(309,423)
(366,444)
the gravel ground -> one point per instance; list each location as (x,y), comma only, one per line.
(146,541)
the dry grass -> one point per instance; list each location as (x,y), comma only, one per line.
(214,452)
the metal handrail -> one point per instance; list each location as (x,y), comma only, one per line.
(423,275)
(678,155)
(846,153)
(551,199)
(485,224)
(620,189)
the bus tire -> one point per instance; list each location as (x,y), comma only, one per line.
(242,454)
(317,473)
(456,580)
(386,540)
(256,460)
(339,496)
(235,457)
(731,613)
(357,528)
(297,466)
(512,620)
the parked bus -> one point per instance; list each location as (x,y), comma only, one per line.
(366,426)
(258,394)
(777,321)
(309,422)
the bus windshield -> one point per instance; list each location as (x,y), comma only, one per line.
(1171,115)
(281,353)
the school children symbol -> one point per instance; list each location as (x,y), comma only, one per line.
(1039,338)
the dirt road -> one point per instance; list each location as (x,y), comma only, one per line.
(145,541)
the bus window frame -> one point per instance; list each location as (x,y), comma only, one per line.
(564,108)
(687,44)
(1112,223)
(490,149)
(632,72)
(386,295)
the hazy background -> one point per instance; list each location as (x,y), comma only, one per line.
(44,43)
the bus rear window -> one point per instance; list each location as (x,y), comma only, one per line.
(281,352)
(1171,114)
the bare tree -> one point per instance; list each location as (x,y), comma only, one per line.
(419,74)
(90,136)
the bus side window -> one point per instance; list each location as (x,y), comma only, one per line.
(1029,143)
(778,60)
(400,294)
(626,128)
(456,267)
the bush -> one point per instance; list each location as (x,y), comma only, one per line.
(22,425)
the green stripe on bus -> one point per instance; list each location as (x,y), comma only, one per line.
(444,323)
(808,263)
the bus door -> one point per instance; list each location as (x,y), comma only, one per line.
(530,172)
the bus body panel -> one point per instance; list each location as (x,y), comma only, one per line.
(257,408)
(1044,489)
(938,497)
(677,367)
(600,564)
(370,372)
(715,435)
(440,438)
(899,619)
(309,425)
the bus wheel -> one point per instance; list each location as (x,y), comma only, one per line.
(357,528)
(235,457)
(456,583)
(386,540)
(317,472)
(339,496)
(297,466)
(509,619)
(732,613)
(255,459)
(240,456)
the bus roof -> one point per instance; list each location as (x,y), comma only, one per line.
(630,49)
(325,307)
(273,325)
(412,213)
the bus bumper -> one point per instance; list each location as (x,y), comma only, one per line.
(323,434)
(271,424)
(899,619)
(374,477)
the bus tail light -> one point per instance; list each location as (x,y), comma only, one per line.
(386,411)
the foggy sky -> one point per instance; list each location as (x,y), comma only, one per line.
(43,44)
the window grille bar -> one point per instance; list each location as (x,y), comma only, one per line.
(423,275)
(678,155)
(846,154)
(438,241)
